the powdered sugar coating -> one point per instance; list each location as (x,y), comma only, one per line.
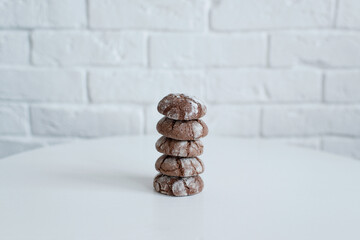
(192,184)
(177,186)
(181,129)
(179,148)
(179,166)
(181,107)
(162,184)
(194,110)
(197,130)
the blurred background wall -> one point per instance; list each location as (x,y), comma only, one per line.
(282,70)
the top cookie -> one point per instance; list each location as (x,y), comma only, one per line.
(181,107)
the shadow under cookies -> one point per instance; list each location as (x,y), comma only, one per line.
(113,179)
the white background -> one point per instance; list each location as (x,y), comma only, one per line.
(283,70)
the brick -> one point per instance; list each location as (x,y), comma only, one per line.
(139,14)
(14,48)
(232,86)
(42,85)
(311,120)
(348,14)
(344,146)
(114,86)
(319,49)
(152,116)
(221,120)
(295,121)
(88,48)
(9,147)
(90,121)
(342,86)
(241,121)
(309,142)
(42,13)
(271,14)
(344,121)
(178,50)
(12,119)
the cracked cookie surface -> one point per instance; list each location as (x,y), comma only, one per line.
(178,186)
(179,166)
(179,148)
(181,107)
(182,130)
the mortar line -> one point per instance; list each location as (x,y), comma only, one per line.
(268,43)
(335,14)
(30,33)
(208,17)
(29,129)
(87,13)
(261,122)
(147,51)
(323,79)
(145,119)
(321,144)
(87,88)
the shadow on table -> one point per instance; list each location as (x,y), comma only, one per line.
(105,179)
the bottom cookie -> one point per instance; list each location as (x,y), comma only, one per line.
(178,186)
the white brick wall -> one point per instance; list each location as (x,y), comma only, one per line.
(33,85)
(271,14)
(349,14)
(155,15)
(236,86)
(322,49)
(342,86)
(207,50)
(42,13)
(242,121)
(311,120)
(86,121)
(13,119)
(283,70)
(74,48)
(14,48)
(113,86)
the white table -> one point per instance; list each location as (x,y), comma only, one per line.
(102,189)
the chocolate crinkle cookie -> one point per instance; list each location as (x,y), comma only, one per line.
(182,130)
(181,107)
(179,148)
(179,166)
(178,186)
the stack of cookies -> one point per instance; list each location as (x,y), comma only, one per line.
(181,128)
